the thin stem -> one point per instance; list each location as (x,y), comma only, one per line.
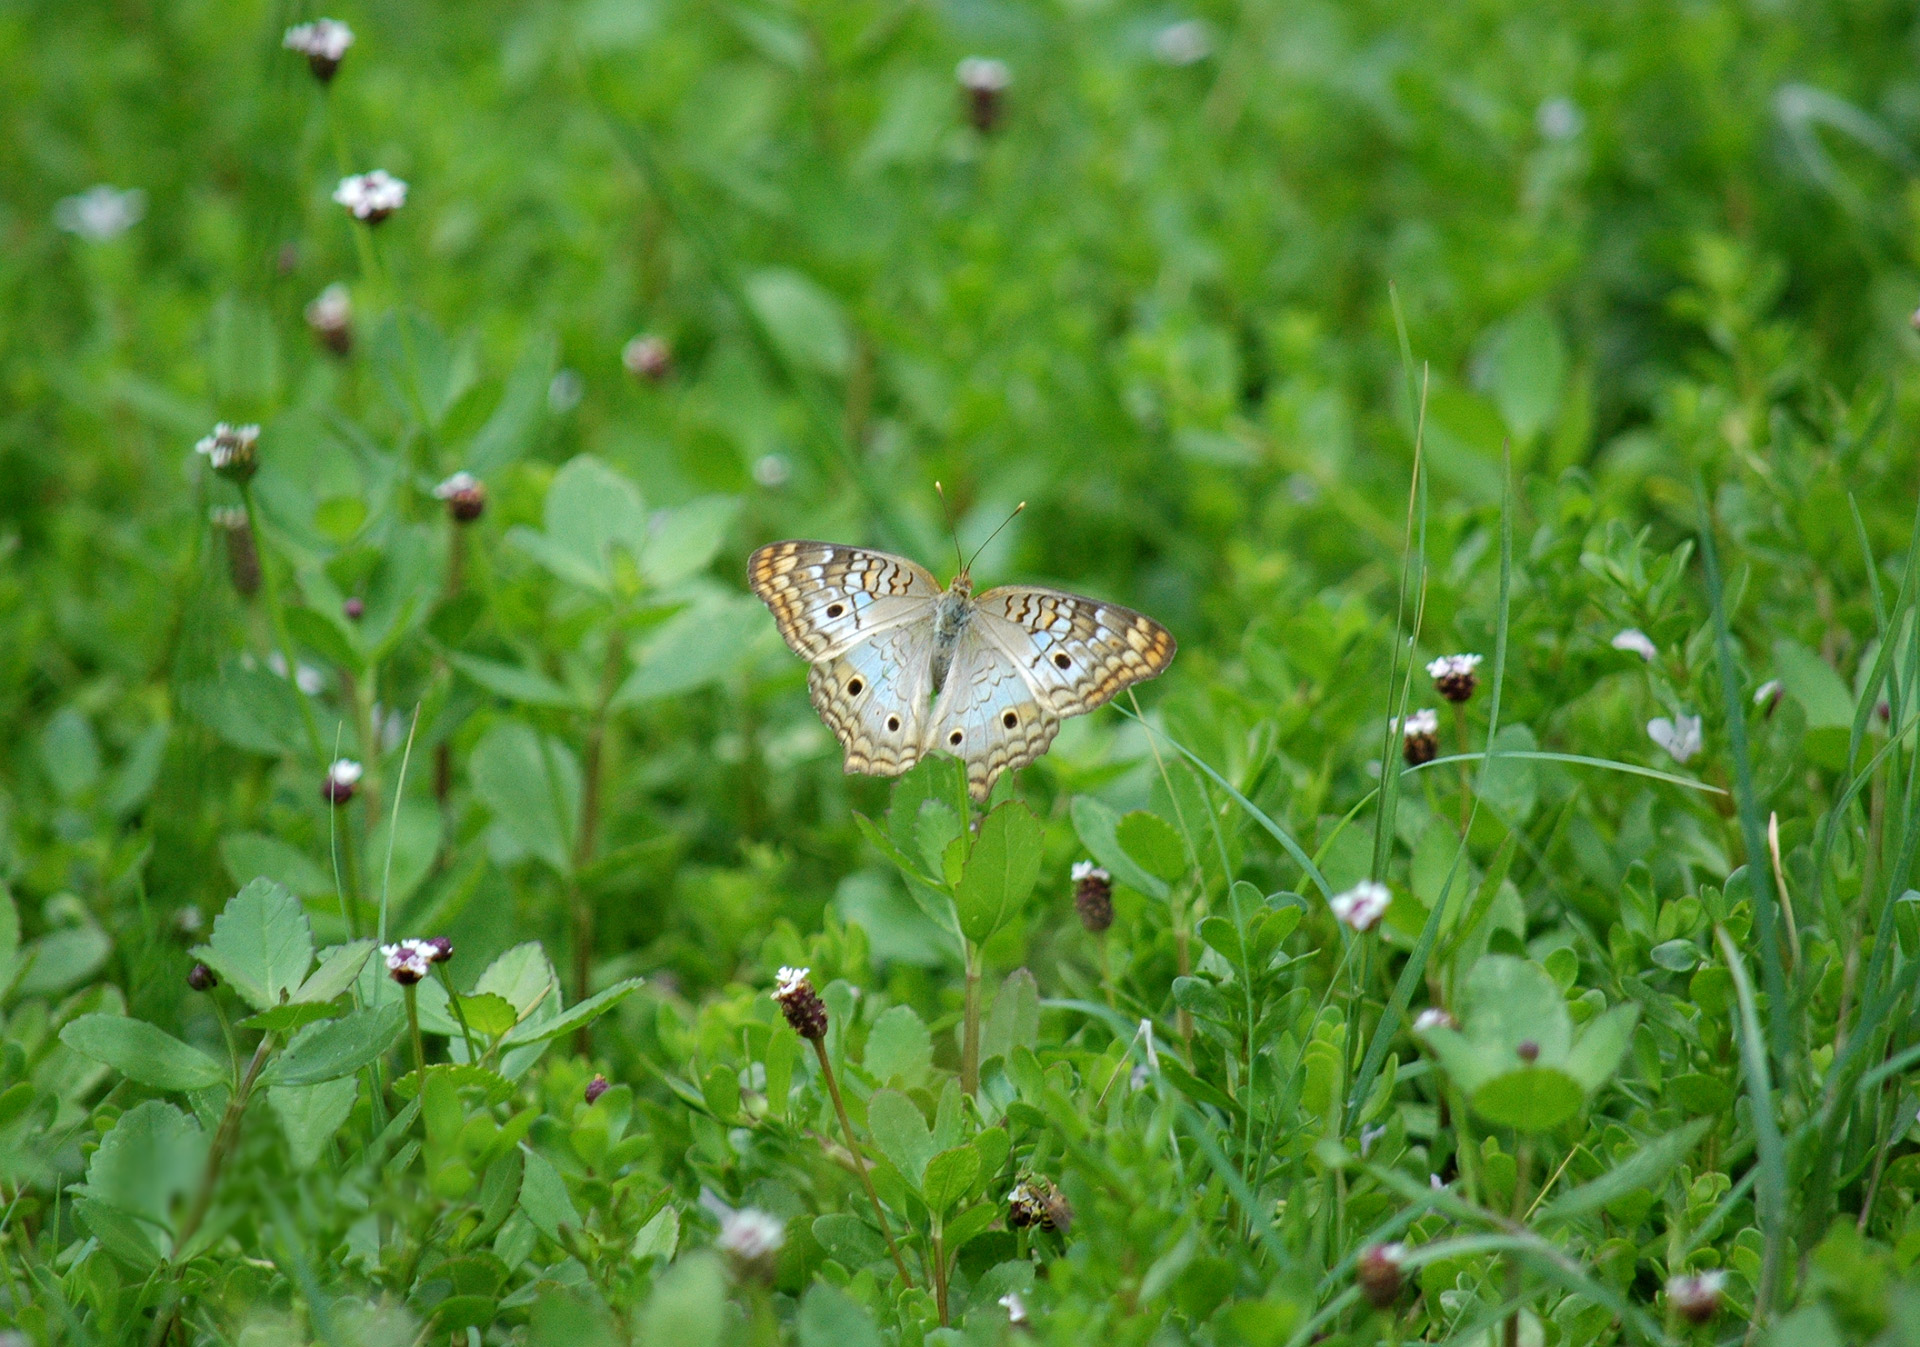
(592,769)
(349,876)
(459,1014)
(277,617)
(419,1048)
(1106,971)
(1466,780)
(1523,1163)
(940,1272)
(859,1161)
(970,1034)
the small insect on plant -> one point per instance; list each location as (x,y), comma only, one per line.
(903,667)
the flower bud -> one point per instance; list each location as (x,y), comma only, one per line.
(1380,1274)
(1528,1051)
(1453,676)
(354,608)
(1092,896)
(323,42)
(341,779)
(801,1004)
(595,1088)
(441,947)
(330,319)
(465,495)
(983,85)
(648,357)
(202,978)
(1420,737)
(232,451)
(1696,1298)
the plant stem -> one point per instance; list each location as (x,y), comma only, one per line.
(277,617)
(970,1033)
(1106,971)
(590,791)
(1523,1163)
(939,1272)
(859,1161)
(1466,780)
(459,1014)
(419,1049)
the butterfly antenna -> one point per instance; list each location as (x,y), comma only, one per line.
(953,530)
(995,534)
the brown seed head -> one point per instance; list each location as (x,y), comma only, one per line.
(1092,896)
(1380,1274)
(801,1004)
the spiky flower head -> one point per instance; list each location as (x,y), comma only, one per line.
(232,451)
(323,42)
(1362,906)
(371,197)
(1696,1298)
(800,1003)
(408,961)
(1420,737)
(465,495)
(1381,1275)
(1092,896)
(1453,676)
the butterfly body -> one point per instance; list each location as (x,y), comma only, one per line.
(903,667)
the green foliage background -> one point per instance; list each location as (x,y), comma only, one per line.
(1635,281)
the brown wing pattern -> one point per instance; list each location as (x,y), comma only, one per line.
(1077,653)
(826,597)
(874,699)
(988,716)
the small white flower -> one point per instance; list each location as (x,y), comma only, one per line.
(751,1234)
(458,484)
(1088,870)
(1636,642)
(101,212)
(371,197)
(648,356)
(1362,906)
(1424,721)
(1433,1017)
(1453,665)
(983,73)
(772,471)
(345,772)
(1183,43)
(326,39)
(1559,119)
(1679,736)
(1435,1182)
(409,961)
(1015,1307)
(331,310)
(229,446)
(788,981)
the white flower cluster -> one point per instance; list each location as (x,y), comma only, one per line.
(751,1234)
(371,197)
(101,212)
(1088,870)
(1362,906)
(327,39)
(983,73)
(228,445)
(1424,721)
(345,772)
(1452,666)
(789,981)
(459,484)
(410,960)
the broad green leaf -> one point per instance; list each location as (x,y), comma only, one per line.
(1014,1021)
(250,707)
(154,1154)
(783,1055)
(849,1240)
(704,643)
(1000,871)
(485,1013)
(1644,1170)
(1533,1098)
(899,1048)
(415,843)
(336,1048)
(143,1052)
(531,784)
(590,511)
(949,1176)
(1099,830)
(829,1317)
(339,966)
(521,975)
(1152,842)
(311,1115)
(1524,368)
(526,686)
(901,1133)
(658,1238)
(70,753)
(681,541)
(574,1016)
(60,959)
(804,321)
(293,1015)
(688,1307)
(516,420)
(261,945)
(1602,1045)
(544,1197)
(255,855)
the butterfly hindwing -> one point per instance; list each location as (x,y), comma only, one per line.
(826,597)
(987,715)
(1077,653)
(874,698)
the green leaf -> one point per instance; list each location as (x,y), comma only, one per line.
(783,1055)
(339,1047)
(154,1154)
(1000,871)
(544,1197)
(1524,368)
(681,541)
(1645,1170)
(485,1014)
(1532,1099)
(658,1238)
(849,1240)
(339,966)
(574,1016)
(1152,842)
(590,511)
(510,431)
(522,976)
(702,644)
(1602,1046)
(311,1115)
(1014,1021)
(949,1176)
(250,707)
(901,1133)
(721,1090)
(899,1048)
(1099,829)
(415,844)
(262,945)
(70,754)
(531,784)
(60,959)
(142,1052)
(526,686)
(829,1317)
(294,1015)
(804,321)
(689,1304)
(255,855)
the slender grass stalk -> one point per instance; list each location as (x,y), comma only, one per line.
(419,1048)
(859,1160)
(1771,1166)
(1466,780)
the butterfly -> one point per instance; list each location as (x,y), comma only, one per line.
(903,668)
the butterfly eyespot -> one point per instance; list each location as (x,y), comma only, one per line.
(855,687)
(893,723)
(1009,720)
(1062,662)
(955,738)
(835,609)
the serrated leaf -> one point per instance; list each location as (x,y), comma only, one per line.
(1000,872)
(336,1048)
(486,1014)
(522,975)
(899,1048)
(142,1052)
(154,1154)
(311,1115)
(339,966)
(261,945)
(849,1240)
(294,1015)
(901,1133)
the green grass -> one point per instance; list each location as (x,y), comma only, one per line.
(1336,337)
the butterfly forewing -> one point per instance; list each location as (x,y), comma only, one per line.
(1077,653)
(874,698)
(826,597)
(988,715)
